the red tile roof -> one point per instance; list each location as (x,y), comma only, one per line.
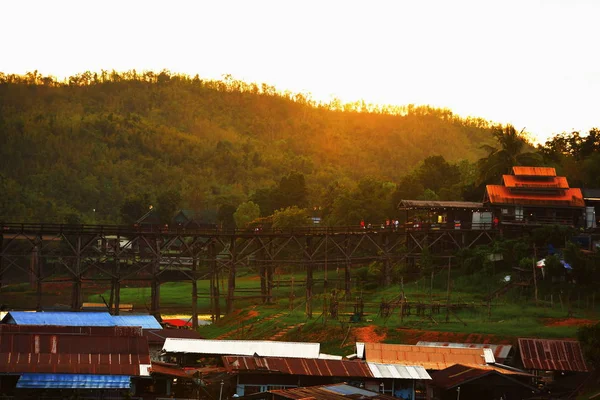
(517,182)
(297,366)
(534,171)
(568,198)
(79,350)
(552,355)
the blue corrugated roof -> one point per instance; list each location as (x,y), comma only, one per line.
(348,390)
(73,381)
(145,321)
(64,318)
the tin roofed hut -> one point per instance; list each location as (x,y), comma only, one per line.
(339,391)
(535,196)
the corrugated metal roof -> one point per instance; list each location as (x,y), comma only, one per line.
(62,318)
(501,351)
(340,391)
(145,321)
(435,358)
(555,182)
(134,331)
(534,171)
(404,204)
(397,371)
(297,366)
(70,352)
(73,381)
(460,374)
(262,348)
(568,198)
(552,355)
(169,370)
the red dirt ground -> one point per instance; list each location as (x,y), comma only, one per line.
(568,322)
(368,334)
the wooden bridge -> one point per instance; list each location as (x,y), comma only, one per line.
(110,255)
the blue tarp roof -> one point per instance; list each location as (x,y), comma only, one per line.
(64,318)
(145,321)
(73,381)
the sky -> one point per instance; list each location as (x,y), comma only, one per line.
(534,64)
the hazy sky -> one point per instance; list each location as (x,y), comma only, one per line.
(535,64)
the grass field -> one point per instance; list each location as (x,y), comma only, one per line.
(505,318)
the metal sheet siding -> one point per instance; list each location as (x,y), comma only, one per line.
(501,195)
(145,321)
(73,381)
(397,371)
(501,351)
(242,347)
(62,318)
(553,355)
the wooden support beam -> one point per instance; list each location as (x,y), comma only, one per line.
(155,288)
(309,277)
(231,279)
(194,293)
(76,290)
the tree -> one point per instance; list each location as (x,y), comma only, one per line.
(134,207)
(225,216)
(167,205)
(246,213)
(589,338)
(513,151)
(290,217)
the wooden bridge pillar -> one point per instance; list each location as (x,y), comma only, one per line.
(194,291)
(231,280)
(270,268)
(1,260)
(347,279)
(38,272)
(76,288)
(214,282)
(309,276)
(115,291)
(155,285)
(386,278)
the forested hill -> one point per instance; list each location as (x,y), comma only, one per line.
(79,149)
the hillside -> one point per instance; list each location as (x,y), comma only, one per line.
(77,150)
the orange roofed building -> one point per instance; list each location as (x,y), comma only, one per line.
(535,196)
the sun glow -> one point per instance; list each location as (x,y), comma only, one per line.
(532,64)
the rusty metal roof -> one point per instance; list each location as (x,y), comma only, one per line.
(501,351)
(499,195)
(169,370)
(552,355)
(432,358)
(534,171)
(555,182)
(298,366)
(340,391)
(429,204)
(460,374)
(66,350)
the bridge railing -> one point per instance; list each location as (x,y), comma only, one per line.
(53,228)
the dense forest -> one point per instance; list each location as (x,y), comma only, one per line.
(105,147)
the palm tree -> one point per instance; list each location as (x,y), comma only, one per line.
(513,151)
